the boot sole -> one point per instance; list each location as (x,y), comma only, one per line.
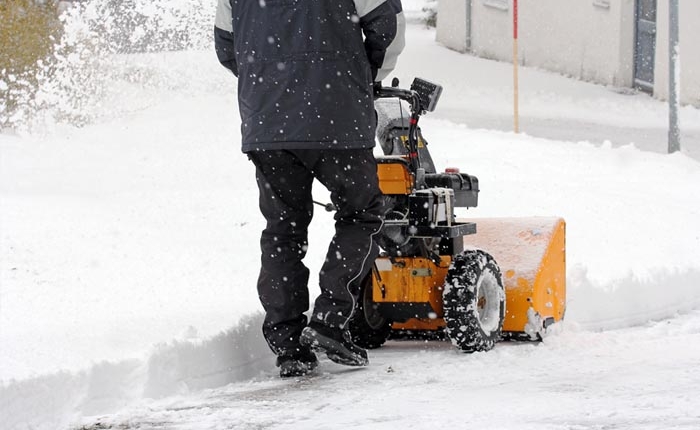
(334,350)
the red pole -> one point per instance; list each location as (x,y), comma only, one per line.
(515,19)
(516,121)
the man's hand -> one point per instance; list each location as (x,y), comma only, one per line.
(384,27)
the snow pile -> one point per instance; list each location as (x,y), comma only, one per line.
(631,300)
(58,400)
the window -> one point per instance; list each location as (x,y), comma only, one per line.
(497,4)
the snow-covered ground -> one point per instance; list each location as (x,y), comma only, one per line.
(128,260)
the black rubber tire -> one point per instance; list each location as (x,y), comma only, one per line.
(474,301)
(368,327)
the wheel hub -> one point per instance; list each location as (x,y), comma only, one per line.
(488,301)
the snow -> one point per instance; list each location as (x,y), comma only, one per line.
(129,255)
(518,244)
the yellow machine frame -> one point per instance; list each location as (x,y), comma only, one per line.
(530,252)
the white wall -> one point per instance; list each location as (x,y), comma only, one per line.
(689,11)
(587,39)
(452,28)
(580,38)
(492,30)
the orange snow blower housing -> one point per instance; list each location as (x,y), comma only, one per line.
(476,280)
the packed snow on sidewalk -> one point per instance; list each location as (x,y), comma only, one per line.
(129,256)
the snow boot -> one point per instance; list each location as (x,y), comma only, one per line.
(336,343)
(299,364)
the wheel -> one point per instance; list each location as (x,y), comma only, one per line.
(474,301)
(368,327)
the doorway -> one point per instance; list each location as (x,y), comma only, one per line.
(645,45)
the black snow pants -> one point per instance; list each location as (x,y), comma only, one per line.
(284,179)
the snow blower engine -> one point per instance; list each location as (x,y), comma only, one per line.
(476,281)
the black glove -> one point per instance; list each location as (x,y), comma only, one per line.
(377,87)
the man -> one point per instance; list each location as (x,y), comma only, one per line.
(305,78)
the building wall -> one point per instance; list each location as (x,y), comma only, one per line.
(689,37)
(453,29)
(579,38)
(591,40)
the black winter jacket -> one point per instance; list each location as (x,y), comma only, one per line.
(304,70)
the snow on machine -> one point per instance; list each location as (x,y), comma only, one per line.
(477,281)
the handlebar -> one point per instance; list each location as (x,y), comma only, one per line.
(423,97)
(413,98)
(410,96)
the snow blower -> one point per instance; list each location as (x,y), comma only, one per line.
(476,281)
